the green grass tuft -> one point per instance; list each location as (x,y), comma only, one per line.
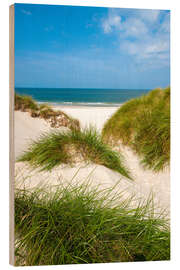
(152,139)
(144,124)
(78,225)
(55,148)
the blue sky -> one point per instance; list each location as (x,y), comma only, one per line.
(89,47)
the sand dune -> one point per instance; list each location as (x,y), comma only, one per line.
(145,181)
(26,129)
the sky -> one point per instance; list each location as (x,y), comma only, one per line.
(91,47)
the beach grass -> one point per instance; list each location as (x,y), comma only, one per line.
(143,124)
(58,147)
(77,225)
(25,102)
(57,118)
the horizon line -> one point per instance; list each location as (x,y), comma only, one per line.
(30,87)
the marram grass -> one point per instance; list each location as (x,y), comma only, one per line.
(59,147)
(27,104)
(143,124)
(78,225)
(24,102)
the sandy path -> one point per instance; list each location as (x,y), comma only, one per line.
(95,116)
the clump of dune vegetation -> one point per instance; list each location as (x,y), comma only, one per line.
(81,225)
(58,147)
(143,124)
(54,118)
(24,103)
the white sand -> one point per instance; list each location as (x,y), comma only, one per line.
(95,116)
(145,181)
(26,129)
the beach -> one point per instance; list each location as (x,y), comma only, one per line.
(145,183)
(90,137)
(89,115)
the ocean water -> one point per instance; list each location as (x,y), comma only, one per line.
(81,97)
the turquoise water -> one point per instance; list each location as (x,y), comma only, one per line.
(81,97)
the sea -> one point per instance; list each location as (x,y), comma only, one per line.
(81,96)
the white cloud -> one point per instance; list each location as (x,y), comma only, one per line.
(165,25)
(134,27)
(149,15)
(142,34)
(26,12)
(156,47)
(110,22)
(148,51)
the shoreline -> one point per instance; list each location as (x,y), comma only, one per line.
(81,105)
(61,106)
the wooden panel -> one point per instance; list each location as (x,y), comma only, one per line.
(11,136)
